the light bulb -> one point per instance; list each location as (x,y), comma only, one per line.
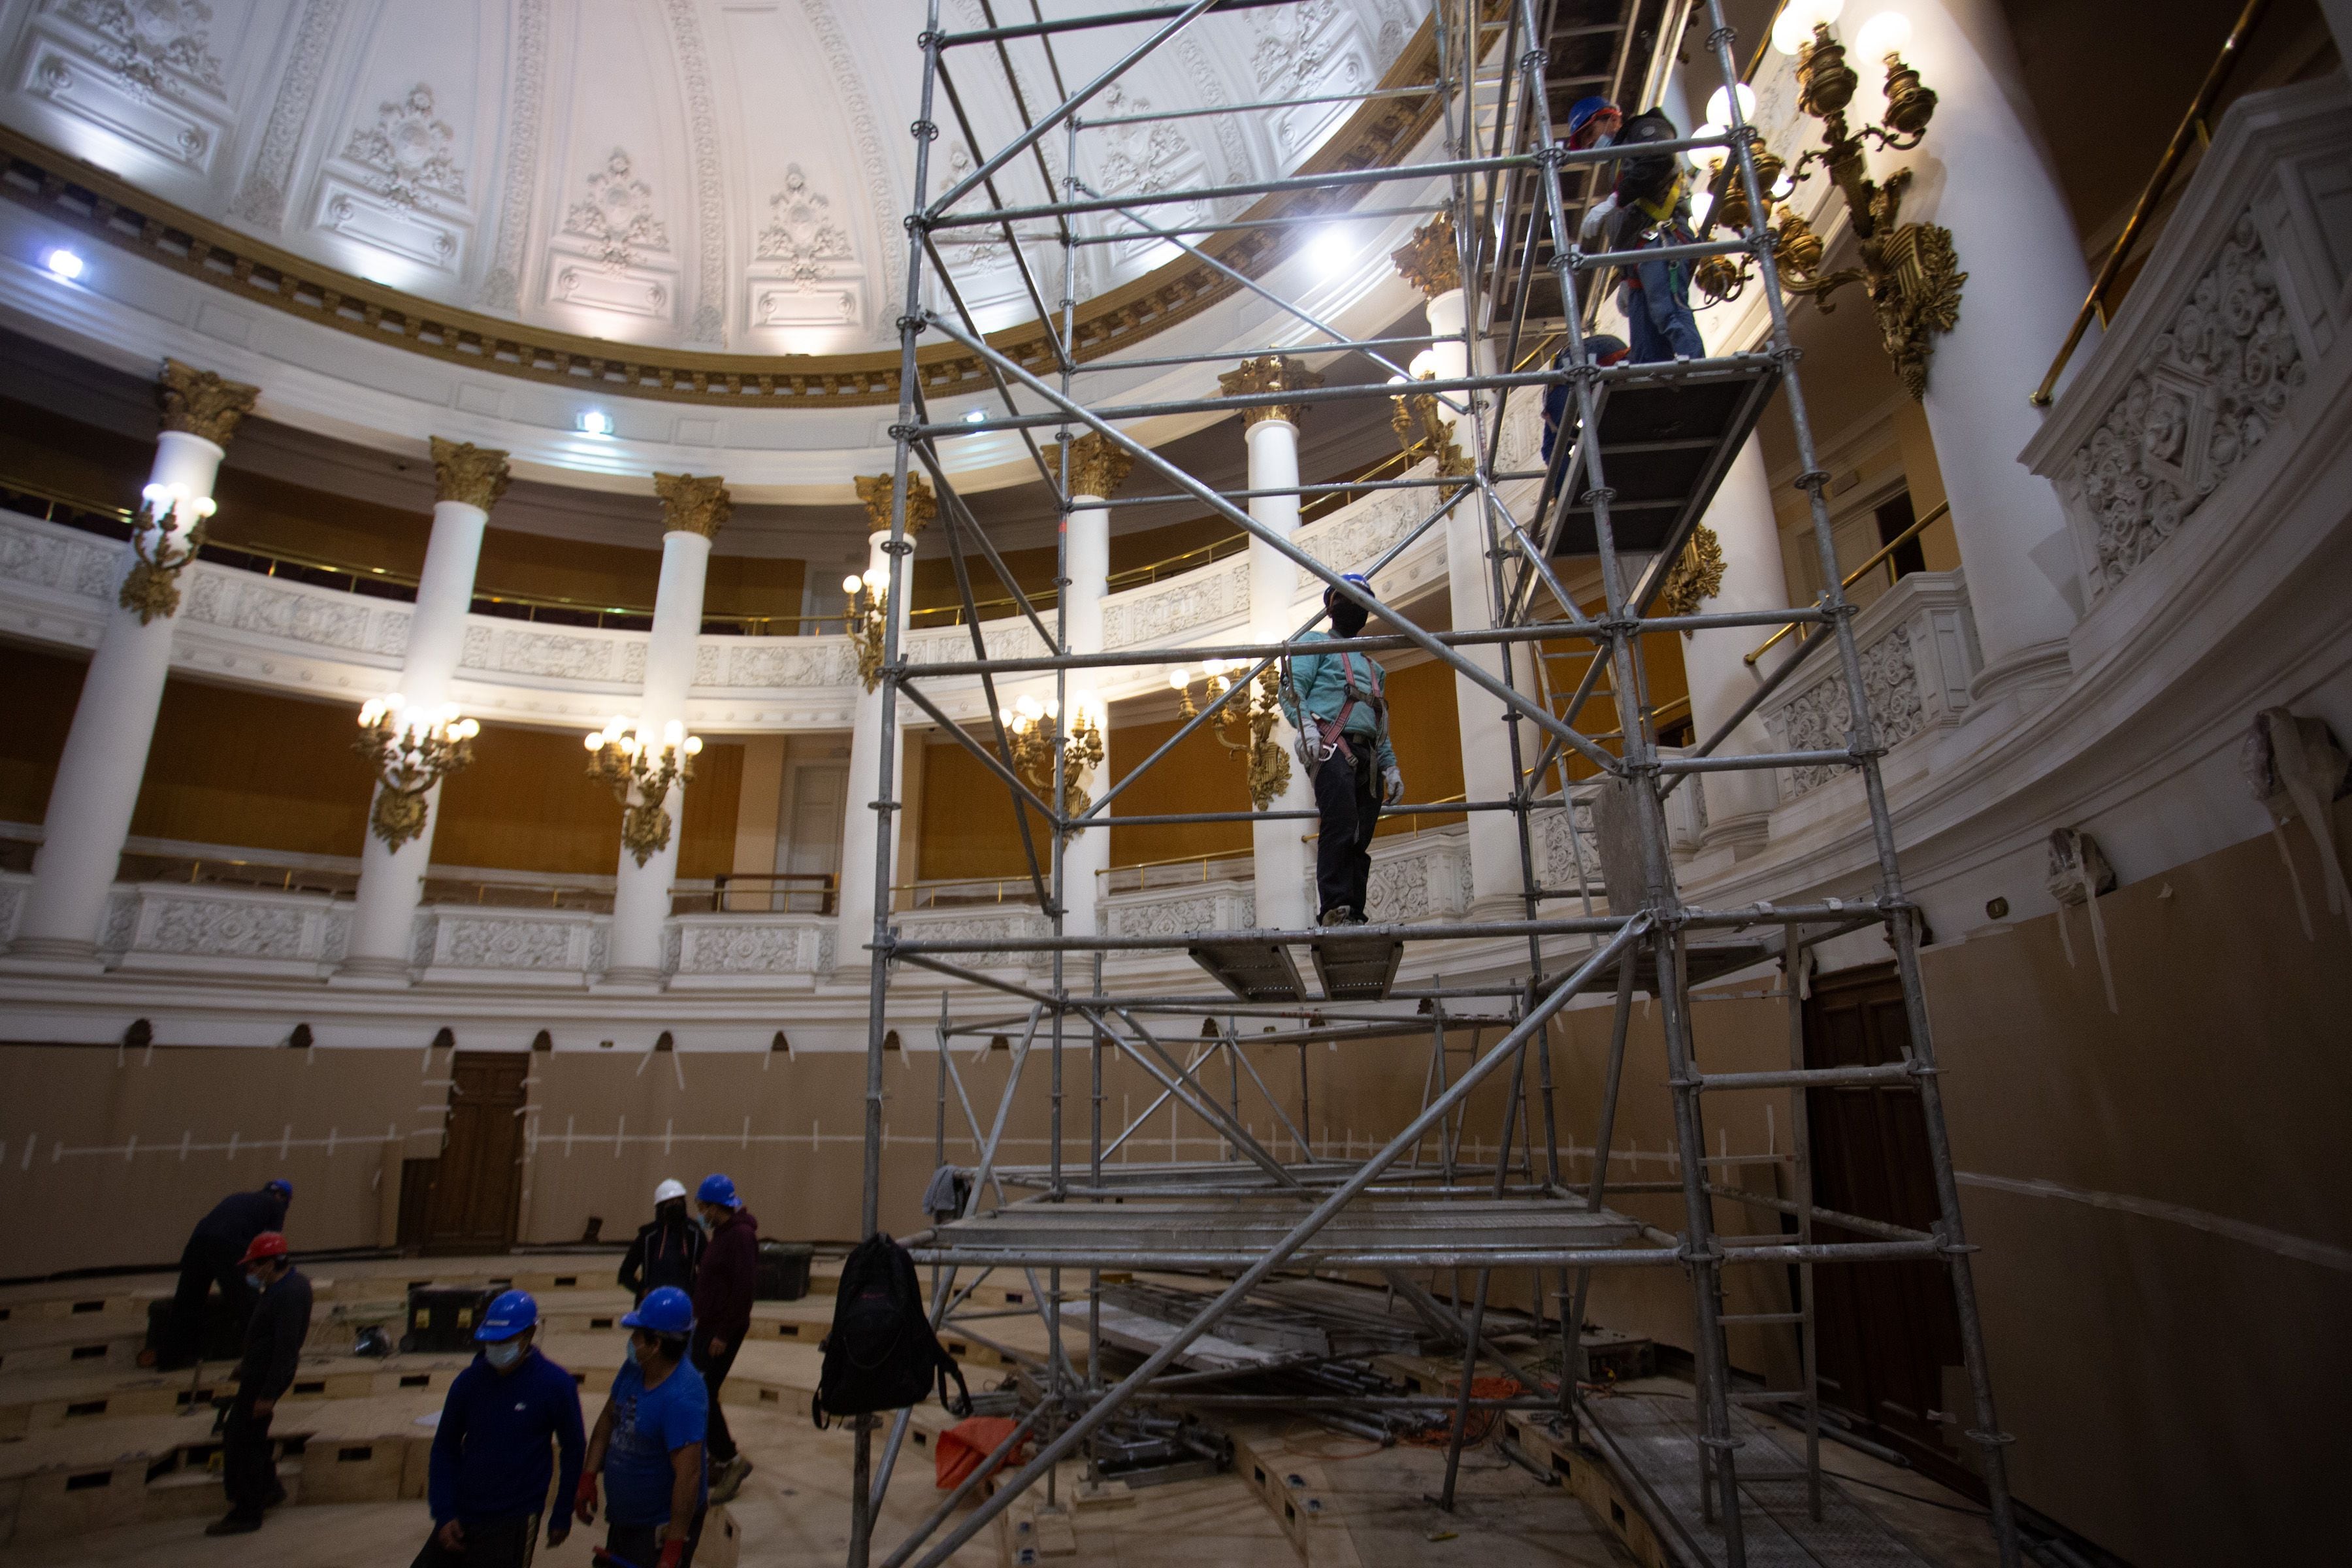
(673,732)
(1794,27)
(1703,158)
(694,746)
(1005,717)
(1213,668)
(396,702)
(595,739)
(467,729)
(849,586)
(1884,33)
(1028,706)
(1719,108)
(1701,204)
(1784,188)
(1178,680)
(1053,709)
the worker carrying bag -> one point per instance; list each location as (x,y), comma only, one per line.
(882,1353)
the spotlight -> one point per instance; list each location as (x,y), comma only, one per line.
(1332,252)
(64,265)
(595,422)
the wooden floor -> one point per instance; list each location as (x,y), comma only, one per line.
(100,1463)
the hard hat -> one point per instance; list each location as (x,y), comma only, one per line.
(1586,107)
(509,1315)
(672,1188)
(281,1186)
(668,1310)
(715,1189)
(268,1244)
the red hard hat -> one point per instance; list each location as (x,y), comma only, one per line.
(268,1244)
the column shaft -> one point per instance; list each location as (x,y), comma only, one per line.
(1087,552)
(392,881)
(1279,849)
(1744,525)
(641,894)
(105,756)
(1987,176)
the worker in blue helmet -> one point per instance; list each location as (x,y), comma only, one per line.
(1339,704)
(648,1443)
(209,1260)
(1594,122)
(487,1482)
(723,1290)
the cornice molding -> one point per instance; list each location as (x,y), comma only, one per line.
(65,189)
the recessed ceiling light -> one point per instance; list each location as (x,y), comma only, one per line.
(1332,251)
(595,422)
(975,415)
(64,265)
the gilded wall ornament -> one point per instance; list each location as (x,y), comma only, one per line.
(1430,261)
(1268,372)
(199,403)
(1421,432)
(1098,465)
(693,503)
(465,472)
(1697,574)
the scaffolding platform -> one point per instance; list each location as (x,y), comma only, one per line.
(1234,1232)
(1667,443)
(1702,962)
(1350,968)
(1649,1441)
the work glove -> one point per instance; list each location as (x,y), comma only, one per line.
(583,1502)
(1391,784)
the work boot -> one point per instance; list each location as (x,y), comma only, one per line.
(729,1479)
(276,1497)
(232,1524)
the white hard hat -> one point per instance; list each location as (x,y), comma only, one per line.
(672,1188)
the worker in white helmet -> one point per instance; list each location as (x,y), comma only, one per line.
(668,1248)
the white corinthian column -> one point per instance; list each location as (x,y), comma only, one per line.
(1280,853)
(693,509)
(105,756)
(467,482)
(1097,468)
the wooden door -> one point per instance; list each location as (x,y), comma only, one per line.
(476,1185)
(1887,1330)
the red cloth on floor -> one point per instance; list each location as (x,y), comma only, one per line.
(964,1446)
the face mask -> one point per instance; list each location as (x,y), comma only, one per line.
(503,1354)
(1347,617)
(257,1281)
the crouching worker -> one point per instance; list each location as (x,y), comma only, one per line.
(1337,703)
(648,1442)
(490,1462)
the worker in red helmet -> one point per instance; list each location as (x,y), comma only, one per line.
(273,1345)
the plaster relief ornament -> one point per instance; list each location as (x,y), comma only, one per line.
(1697,574)
(617,218)
(153,45)
(408,153)
(801,234)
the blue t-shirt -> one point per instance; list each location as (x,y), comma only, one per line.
(648,1426)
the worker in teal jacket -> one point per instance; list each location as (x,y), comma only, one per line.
(1337,703)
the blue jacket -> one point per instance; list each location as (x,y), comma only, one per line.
(1317,683)
(489,1454)
(237,1218)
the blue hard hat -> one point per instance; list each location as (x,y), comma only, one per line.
(715,1189)
(1585,108)
(509,1315)
(668,1310)
(280,1186)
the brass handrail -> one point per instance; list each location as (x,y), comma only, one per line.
(1202,859)
(279,555)
(2191,124)
(1851,578)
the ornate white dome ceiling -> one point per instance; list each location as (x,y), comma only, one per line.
(725,175)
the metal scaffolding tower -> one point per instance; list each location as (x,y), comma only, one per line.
(1281,1206)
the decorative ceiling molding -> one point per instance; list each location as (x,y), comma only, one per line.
(502,287)
(708,324)
(68,189)
(261,199)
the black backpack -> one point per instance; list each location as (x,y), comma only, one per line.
(882,1353)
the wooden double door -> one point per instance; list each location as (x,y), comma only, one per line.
(1888,1333)
(468,1199)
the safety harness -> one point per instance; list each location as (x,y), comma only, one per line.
(1329,733)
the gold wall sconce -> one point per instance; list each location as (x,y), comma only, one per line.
(641,774)
(165,535)
(1034,732)
(1245,725)
(410,750)
(869,618)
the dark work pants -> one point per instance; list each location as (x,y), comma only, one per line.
(1348,793)
(717,1442)
(248,1473)
(639,1545)
(490,1544)
(203,1263)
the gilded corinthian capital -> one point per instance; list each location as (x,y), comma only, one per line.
(1269,372)
(922,505)
(1098,465)
(198,403)
(693,503)
(462,471)
(1429,260)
